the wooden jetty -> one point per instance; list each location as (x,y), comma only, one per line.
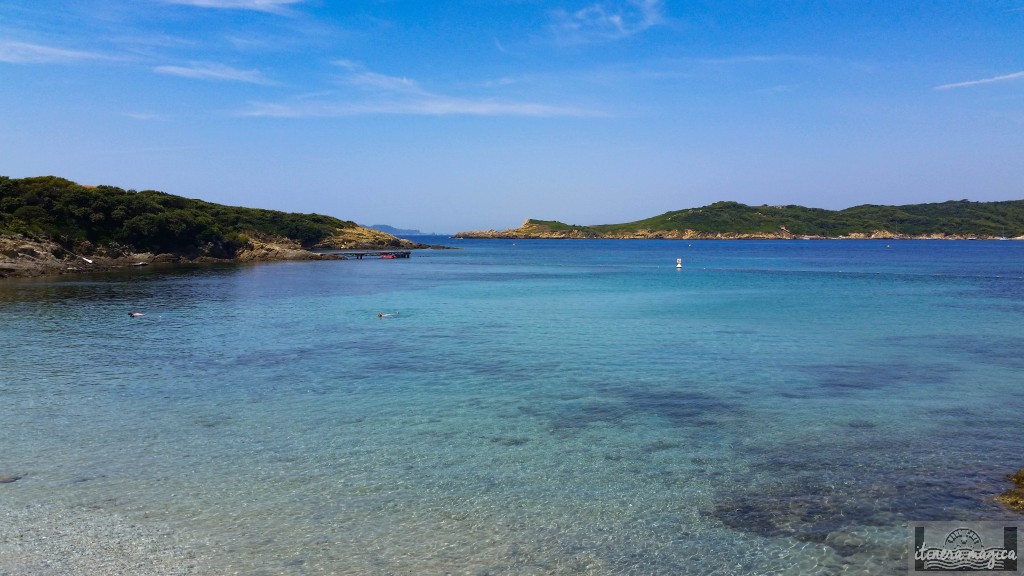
(385,254)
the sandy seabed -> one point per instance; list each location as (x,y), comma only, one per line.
(47,541)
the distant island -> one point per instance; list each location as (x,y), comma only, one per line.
(51,225)
(396,231)
(960,219)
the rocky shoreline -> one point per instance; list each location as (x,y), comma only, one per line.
(1014,497)
(531,231)
(27,257)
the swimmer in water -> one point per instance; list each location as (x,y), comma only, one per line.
(136,314)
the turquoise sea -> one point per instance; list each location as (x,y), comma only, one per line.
(532,407)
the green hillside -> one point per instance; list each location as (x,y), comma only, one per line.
(70,214)
(961,217)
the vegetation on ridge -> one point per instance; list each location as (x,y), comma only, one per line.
(955,218)
(946,219)
(150,221)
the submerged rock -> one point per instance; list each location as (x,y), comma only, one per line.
(1014,497)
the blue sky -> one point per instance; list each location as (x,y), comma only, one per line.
(448,116)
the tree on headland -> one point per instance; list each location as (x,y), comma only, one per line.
(71,214)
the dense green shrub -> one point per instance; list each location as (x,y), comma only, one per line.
(147,220)
(955,217)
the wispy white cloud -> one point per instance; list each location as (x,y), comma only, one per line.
(382,94)
(360,77)
(148,43)
(605,21)
(25,53)
(384,82)
(777,89)
(275,6)
(750,59)
(992,80)
(219,72)
(504,81)
(142,116)
(432,106)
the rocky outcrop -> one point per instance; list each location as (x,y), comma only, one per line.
(780,234)
(266,249)
(876,235)
(22,256)
(25,256)
(360,238)
(531,230)
(1014,497)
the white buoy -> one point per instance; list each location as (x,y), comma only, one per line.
(679,262)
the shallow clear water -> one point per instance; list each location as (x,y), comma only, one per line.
(535,407)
